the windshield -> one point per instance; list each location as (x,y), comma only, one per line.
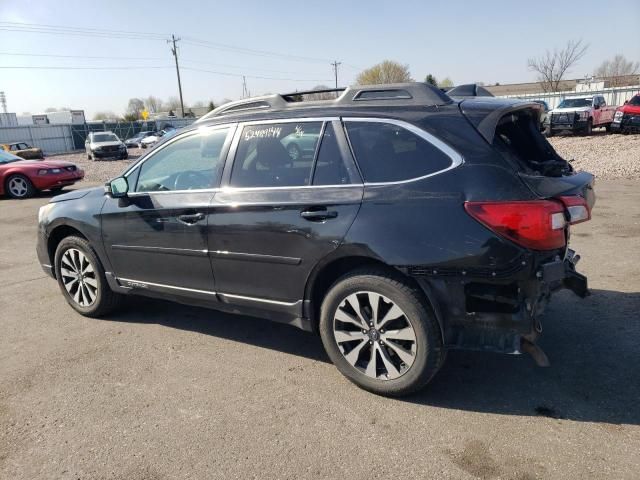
(635,101)
(105,137)
(575,102)
(6,157)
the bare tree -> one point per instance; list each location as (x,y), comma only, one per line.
(321,96)
(173,103)
(385,72)
(553,65)
(153,104)
(616,68)
(135,107)
(107,115)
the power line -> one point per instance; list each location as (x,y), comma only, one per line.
(250,51)
(230,74)
(30,67)
(66,30)
(77,56)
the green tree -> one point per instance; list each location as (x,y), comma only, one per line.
(130,117)
(211,105)
(385,72)
(446,83)
(431,80)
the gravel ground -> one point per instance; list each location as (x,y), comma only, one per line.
(605,155)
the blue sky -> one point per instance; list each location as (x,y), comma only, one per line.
(465,41)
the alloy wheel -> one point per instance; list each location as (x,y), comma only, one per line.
(374,335)
(79,277)
(18,186)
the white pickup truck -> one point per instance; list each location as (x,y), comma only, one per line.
(580,114)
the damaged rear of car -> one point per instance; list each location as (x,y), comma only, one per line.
(526,198)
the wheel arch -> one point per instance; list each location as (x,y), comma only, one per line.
(58,234)
(325,275)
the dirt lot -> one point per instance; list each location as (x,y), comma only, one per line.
(167,391)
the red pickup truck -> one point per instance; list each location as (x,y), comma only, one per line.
(581,114)
(627,117)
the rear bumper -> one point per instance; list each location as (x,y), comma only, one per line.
(500,312)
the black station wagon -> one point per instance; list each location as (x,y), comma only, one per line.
(395,221)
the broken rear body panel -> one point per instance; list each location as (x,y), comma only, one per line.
(487,291)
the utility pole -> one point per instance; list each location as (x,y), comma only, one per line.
(245,92)
(335,70)
(174,50)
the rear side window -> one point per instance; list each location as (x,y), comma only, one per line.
(389,153)
(276,155)
(330,167)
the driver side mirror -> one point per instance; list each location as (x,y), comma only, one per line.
(117,188)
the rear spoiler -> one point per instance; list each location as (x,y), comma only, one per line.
(484,113)
(469,90)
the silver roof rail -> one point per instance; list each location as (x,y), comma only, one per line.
(398,94)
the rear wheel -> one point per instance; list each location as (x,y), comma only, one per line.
(19,186)
(82,280)
(380,333)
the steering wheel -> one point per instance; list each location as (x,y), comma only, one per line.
(190,180)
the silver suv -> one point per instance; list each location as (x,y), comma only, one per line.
(105,145)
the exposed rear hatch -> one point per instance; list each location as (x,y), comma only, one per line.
(512,127)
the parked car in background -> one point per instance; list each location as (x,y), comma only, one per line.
(136,141)
(301,143)
(163,134)
(581,115)
(421,223)
(627,117)
(20,178)
(24,150)
(105,145)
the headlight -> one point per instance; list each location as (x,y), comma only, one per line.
(44,211)
(97,149)
(583,115)
(617,118)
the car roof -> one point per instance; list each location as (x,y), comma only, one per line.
(356,97)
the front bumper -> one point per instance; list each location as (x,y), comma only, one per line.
(45,182)
(629,123)
(110,154)
(575,126)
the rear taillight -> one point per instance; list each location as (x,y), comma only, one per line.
(578,209)
(535,224)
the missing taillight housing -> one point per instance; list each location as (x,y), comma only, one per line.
(534,224)
(578,209)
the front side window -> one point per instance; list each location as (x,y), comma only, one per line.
(275,155)
(192,162)
(389,153)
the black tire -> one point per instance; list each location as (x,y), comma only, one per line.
(27,189)
(589,128)
(548,132)
(429,351)
(105,300)
(124,156)
(607,127)
(88,156)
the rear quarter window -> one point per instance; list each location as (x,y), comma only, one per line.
(386,152)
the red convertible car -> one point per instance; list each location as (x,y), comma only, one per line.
(21,178)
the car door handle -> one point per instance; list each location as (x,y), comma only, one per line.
(191,219)
(316,215)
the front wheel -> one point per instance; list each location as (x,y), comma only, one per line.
(82,280)
(589,128)
(380,333)
(19,186)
